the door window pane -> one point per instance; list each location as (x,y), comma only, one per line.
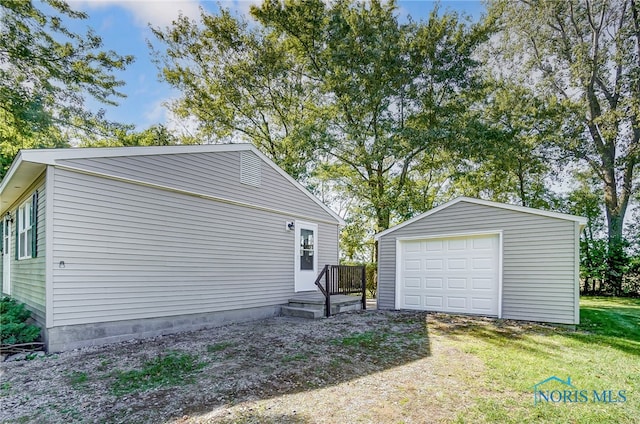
(306,249)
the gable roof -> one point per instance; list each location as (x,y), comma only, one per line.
(29,164)
(579,219)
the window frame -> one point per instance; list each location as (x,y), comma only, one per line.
(24,231)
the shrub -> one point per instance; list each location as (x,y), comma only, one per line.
(14,328)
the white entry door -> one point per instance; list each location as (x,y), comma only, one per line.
(453,274)
(6,256)
(306,256)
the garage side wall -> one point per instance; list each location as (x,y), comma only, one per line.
(539,271)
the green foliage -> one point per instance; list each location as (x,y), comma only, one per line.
(171,369)
(156,135)
(342,83)
(584,57)
(218,347)
(367,339)
(14,328)
(77,378)
(46,72)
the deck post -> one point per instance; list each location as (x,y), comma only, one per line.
(327,303)
(364,287)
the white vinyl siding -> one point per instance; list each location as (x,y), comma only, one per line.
(28,275)
(132,251)
(212,174)
(539,273)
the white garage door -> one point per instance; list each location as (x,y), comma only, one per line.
(456,274)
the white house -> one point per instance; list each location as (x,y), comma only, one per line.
(112,243)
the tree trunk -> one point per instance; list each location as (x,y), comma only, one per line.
(615,251)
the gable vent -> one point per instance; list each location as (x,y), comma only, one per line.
(250,169)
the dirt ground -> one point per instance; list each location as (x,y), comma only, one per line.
(368,366)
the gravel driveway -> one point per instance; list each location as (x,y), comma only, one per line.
(367,366)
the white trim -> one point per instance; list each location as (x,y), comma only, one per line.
(22,228)
(398,272)
(7,232)
(579,219)
(500,259)
(451,235)
(188,193)
(400,240)
(52,156)
(296,252)
(48,244)
(576,305)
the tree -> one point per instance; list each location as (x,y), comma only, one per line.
(156,135)
(587,55)
(343,81)
(240,83)
(46,72)
(514,162)
(393,93)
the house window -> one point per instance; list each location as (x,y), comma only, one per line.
(25,230)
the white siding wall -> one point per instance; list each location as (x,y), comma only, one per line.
(132,251)
(28,275)
(213,174)
(539,273)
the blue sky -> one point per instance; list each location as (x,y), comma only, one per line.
(123,26)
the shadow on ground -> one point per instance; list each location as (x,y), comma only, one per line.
(167,378)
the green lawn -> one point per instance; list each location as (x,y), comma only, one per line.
(602,355)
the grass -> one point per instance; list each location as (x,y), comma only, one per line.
(172,369)
(218,347)
(367,340)
(603,354)
(77,378)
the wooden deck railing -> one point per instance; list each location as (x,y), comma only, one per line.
(342,279)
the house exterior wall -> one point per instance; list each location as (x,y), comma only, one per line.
(539,253)
(134,252)
(28,275)
(213,174)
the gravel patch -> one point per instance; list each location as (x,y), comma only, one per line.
(367,366)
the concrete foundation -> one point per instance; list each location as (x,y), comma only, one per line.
(70,337)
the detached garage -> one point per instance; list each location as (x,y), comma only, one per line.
(479,257)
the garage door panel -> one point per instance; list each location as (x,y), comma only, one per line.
(434,264)
(412,300)
(434,283)
(483,264)
(456,283)
(433,246)
(456,264)
(458,274)
(455,303)
(412,265)
(482,243)
(434,303)
(413,283)
(482,284)
(481,304)
(413,248)
(456,244)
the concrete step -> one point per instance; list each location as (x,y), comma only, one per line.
(292,311)
(318,306)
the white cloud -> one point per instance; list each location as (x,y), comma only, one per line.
(158,13)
